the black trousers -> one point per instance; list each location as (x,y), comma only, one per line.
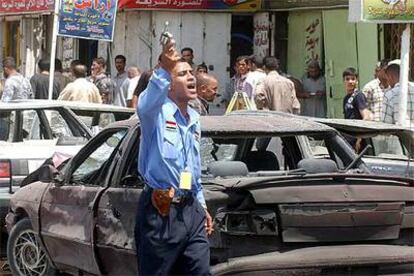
(173,245)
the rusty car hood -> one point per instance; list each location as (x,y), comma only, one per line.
(324,187)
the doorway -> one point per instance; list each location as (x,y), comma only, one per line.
(241,38)
(12,40)
(88,50)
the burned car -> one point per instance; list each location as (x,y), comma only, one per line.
(265,190)
(391,147)
(33,130)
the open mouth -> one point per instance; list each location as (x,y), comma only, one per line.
(191,86)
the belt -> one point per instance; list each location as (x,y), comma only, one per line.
(177,199)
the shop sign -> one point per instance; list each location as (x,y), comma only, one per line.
(382,11)
(294,4)
(25,6)
(191,4)
(88,19)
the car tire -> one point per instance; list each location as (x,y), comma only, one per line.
(25,254)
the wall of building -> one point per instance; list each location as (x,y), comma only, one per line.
(137,38)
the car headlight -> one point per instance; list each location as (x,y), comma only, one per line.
(257,222)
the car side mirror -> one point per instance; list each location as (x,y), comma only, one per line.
(49,173)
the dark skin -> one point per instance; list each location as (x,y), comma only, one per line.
(181,92)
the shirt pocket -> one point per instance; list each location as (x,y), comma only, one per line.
(169,149)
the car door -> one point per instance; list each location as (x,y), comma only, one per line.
(66,211)
(115,242)
(391,154)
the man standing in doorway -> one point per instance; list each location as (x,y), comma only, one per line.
(119,79)
(172,219)
(375,89)
(187,54)
(207,86)
(40,82)
(101,80)
(16,87)
(313,94)
(276,92)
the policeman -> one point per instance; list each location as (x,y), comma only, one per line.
(172,219)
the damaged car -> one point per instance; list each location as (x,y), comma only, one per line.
(31,131)
(273,202)
(391,147)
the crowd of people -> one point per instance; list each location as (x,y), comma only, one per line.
(260,79)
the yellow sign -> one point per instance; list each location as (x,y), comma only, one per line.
(388,11)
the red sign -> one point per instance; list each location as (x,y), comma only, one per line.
(25,6)
(191,4)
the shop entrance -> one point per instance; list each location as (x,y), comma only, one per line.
(11,37)
(88,50)
(241,38)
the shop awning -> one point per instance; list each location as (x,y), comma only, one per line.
(303,4)
(237,5)
(19,7)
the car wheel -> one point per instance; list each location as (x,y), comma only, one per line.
(24,252)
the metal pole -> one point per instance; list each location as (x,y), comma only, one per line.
(53,48)
(405,65)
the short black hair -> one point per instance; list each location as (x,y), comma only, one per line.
(79,71)
(9,62)
(384,63)
(350,71)
(203,65)
(271,63)
(393,69)
(121,57)
(75,62)
(256,60)
(44,64)
(58,65)
(187,49)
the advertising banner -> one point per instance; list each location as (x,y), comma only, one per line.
(382,11)
(192,4)
(88,19)
(25,6)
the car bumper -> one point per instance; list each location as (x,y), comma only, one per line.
(323,257)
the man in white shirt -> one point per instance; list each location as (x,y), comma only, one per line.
(121,76)
(80,89)
(254,76)
(129,85)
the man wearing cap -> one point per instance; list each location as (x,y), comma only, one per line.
(172,221)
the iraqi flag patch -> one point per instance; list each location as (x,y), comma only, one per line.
(170,125)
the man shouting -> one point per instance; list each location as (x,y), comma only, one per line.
(172,219)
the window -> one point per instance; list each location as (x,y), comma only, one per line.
(216,150)
(32,128)
(92,169)
(58,125)
(7,125)
(388,146)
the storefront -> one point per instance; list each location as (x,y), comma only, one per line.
(320,30)
(23,28)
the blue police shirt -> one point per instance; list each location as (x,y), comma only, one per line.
(169,143)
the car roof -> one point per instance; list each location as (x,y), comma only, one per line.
(40,104)
(361,126)
(258,123)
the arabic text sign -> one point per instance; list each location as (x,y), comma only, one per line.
(191,4)
(18,6)
(89,19)
(392,11)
